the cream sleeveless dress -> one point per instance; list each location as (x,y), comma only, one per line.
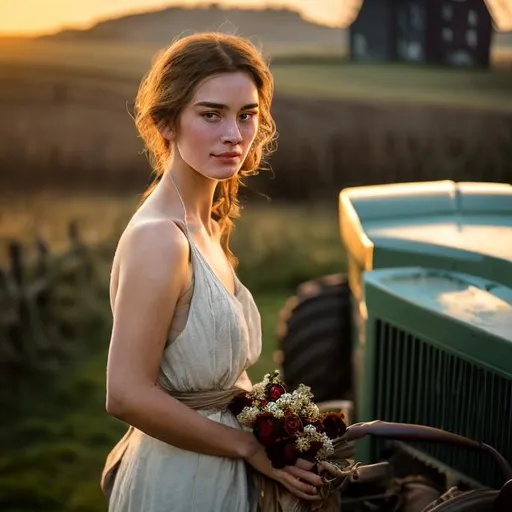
(221,339)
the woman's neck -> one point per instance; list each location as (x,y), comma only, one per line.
(196,192)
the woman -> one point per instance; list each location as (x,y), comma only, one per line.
(185,328)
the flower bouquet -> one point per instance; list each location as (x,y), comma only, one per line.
(288,425)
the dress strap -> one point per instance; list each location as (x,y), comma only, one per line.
(187,232)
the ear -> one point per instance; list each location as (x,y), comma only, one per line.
(165,130)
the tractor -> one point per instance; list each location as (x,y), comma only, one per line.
(417,331)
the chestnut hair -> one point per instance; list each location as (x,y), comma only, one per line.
(171,83)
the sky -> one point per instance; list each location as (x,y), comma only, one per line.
(31,17)
(36,16)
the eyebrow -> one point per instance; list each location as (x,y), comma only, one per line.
(221,106)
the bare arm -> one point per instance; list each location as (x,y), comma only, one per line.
(152,273)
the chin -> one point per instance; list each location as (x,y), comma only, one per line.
(223,173)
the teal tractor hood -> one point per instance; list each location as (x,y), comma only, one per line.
(465,227)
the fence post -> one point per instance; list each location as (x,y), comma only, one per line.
(79,248)
(9,359)
(20,330)
(41,271)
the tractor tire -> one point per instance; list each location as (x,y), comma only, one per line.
(315,337)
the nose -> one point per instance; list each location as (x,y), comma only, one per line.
(232,134)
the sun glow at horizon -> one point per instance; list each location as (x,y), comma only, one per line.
(30,18)
(26,18)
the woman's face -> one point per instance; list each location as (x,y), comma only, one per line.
(218,126)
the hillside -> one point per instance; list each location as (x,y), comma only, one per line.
(268,26)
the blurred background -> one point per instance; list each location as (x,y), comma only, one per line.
(366,92)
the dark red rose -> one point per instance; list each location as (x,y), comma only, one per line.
(267,428)
(292,424)
(283,452)
(334,424)
(275,391)
(239,402)
(319,425)
(313,449)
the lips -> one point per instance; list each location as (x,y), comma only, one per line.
(232,154)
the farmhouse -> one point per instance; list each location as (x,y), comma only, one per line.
(443,32)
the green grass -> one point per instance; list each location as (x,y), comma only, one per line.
(269,304)
(122,65)
(398,82)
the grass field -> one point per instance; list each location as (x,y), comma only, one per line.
(339,123)
(399,82)
(52,456)
(264,234)
(328,74)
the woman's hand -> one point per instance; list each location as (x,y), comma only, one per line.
(298,479)
(303,473)
(303,469)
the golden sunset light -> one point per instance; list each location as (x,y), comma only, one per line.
(29,17)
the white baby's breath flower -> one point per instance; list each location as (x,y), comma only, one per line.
(271,377)
(284,400)
(311,411)
(326,450)
(271,407)
(310,429)
(327,446)
(304,390)
(278,413)
(274,409)
(295,406)
(247,416)
(302,444)
(258,388)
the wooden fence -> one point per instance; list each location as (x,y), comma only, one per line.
(46,302)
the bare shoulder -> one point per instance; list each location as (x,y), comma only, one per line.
(151,252)
(153,239)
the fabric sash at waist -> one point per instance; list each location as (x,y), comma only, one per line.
(207,399)
(215,399)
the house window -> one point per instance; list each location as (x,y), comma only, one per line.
(447,35)
(402,20)
(360,45)
(461,58)
(402,48)
(472,38)
(447,12)
(472,18)
(417,16)
(414,51)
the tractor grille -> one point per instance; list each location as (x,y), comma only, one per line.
(417,382)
